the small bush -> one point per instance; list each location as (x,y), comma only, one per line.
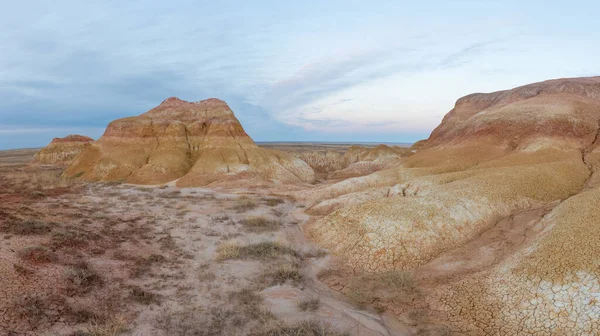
(260,224)
(82,278)
(281,274)
(142,266)
(108,326)
(397,286)
(305,328)
(22,270)
(244,203)
(262,250)
(37,254)
(246,297)
(142,296)
(273,201)
(399,280)
(228,250)
(310,305)
(31,306)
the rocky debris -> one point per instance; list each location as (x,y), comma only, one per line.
(195,143)
(61,151)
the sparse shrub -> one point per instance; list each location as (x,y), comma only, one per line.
(260,224)
(204,273)
(38,307)
(26,227)
(305,328)
(399,280)
(37,254)
(222,218)
(171,194)
(107,326)
(31,306)
(142,296)
(398,286)
(82,278)
(72,238)
(417,315)
(262,250)
(246,297)
(142,266)
(244,203)
(280,274)
(167,242)
(273,201)
(22,270)
(318,253)
(309,305)
(229,250)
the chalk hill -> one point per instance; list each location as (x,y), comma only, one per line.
(61,151)
(493,156)
(196,143)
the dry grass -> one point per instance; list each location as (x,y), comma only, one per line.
(244,316)
(398,286)
(81,279)
(31,306)
(228,250)
(140,295)
(309,305)
(273,201)
(244,203)
(112,326)
(261,224)
(262,250)
(281,274)
(142,266)
(26,227)
(37,254)
(305,328)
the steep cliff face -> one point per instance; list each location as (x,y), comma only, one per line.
(61,151)
(196,142)
(493,155)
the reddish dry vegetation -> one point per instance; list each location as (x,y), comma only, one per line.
(55,272)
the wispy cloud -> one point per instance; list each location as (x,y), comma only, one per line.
(288,69)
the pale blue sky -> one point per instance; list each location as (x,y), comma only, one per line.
(291,70)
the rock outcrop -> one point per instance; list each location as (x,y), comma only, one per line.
(492,156)
(356,161)
(366,160)
(61,151)
(196,143)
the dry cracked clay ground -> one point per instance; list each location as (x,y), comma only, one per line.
(113,259)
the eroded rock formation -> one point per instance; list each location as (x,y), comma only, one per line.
(198,143)
(61,151)
(492,156)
